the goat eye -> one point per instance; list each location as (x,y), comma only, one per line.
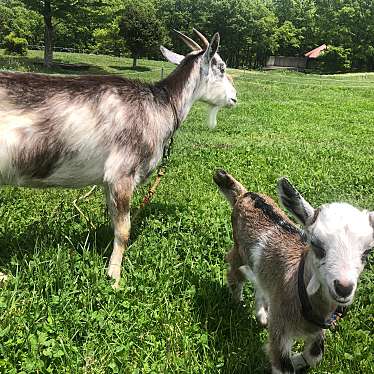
(222,68)
(319,251)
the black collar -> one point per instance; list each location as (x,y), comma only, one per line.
(306,307)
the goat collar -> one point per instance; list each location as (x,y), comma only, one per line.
(306,307)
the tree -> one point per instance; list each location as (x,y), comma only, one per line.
(247,28)
(298,30)
(250,30)
(14,17)
(55,11)
(289,39)
(107,40)
(335,59)
(142,30)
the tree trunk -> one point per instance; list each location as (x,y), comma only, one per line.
(48,35)
(134,62)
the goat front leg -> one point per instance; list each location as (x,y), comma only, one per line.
(118,199)
(262,306)
(313,352)
(279,351)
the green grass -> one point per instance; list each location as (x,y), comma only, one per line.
(58,312)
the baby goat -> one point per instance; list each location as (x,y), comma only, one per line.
(300,277)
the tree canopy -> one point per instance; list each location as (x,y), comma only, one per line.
(250,30)
(142,29)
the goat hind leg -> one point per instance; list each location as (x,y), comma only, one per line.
(236,275)
(118,198)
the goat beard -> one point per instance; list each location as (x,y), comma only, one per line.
(212,116)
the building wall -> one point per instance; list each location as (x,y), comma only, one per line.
(283,61)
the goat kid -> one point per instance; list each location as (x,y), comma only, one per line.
(300,277)
(78,131)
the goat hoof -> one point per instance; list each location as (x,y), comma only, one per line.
(262,317)
(115,285)
(301,371)
(299,364)
(3,278)
(114,272)
(242,304)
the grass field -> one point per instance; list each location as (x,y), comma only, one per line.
(58,312)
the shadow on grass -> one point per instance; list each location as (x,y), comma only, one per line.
(233,330)
(21,244)
(34,64)
(130,68)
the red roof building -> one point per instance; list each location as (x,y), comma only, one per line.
(314,53)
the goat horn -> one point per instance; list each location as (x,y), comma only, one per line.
(190,43)
(203,39)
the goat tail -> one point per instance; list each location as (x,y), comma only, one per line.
(229,186)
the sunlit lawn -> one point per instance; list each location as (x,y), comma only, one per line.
(58,312)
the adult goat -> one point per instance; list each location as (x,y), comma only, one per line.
(105,130)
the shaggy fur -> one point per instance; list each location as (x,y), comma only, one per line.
(268,249)
(110,131)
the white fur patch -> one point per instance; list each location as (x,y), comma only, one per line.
(256,251)
(80,127)
(248,273)
(262,315)
(212,116)
(345,233)
(313,285)
(11,123)
(14,119)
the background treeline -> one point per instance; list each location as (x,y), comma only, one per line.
(251,30)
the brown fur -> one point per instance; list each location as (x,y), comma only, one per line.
(184,71)
(267,241)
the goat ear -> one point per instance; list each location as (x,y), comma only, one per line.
(313,285)
(172,57)
(211,51)
(295,203)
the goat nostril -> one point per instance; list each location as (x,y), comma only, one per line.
(343,290)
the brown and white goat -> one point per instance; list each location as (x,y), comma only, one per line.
(104,130)
(301,277)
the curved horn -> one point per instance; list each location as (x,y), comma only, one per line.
(190,43)
(203,39)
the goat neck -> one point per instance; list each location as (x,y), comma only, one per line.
(316,308)
(182,85)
